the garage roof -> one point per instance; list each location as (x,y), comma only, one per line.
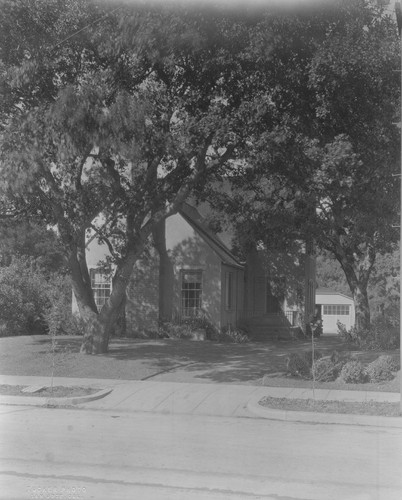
(329,291)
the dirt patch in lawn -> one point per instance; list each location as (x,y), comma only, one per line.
(373,408)
(47,392)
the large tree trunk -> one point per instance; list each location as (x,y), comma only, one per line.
(362,308)
(357,272)
(166,274)
(99,326)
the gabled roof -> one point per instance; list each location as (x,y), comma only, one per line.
(329,291)
(197,222)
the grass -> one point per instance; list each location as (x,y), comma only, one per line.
(175,360)
(373,408)
(55,392)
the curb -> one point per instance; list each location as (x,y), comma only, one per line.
(320,418)
(53,402)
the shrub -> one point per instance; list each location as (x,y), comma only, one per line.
(382,335)
(353,373)
(300,364)
(23,298)
(237,336)
(297,365)
(59,316)
(185,329)
(326,370)
(308,355)
(175,330)
(381,369)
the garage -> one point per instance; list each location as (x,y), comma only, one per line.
(333,306)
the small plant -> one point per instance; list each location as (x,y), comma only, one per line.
(237,336)
(353,373)
(175,331)
(381,369)
(185,329)
(314,329)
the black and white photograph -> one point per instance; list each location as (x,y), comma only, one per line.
(200,234)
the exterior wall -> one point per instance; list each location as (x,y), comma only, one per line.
(192,253)
(330,321)
(277,274)
(187,251)
(231,313)
(142,295)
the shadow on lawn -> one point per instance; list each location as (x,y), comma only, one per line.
(213,361)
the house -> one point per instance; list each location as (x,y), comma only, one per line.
(333,306)
(188,271)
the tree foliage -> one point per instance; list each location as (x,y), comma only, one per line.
(111,129)
(321,164)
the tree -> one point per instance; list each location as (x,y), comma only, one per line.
(330,274)
(32,240)
(322,164)
(383,287)
(110,130)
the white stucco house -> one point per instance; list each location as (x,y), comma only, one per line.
(332,307)
(189,271)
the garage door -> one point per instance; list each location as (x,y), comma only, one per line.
(332,313)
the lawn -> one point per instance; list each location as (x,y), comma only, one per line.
(174,360)
(309,405)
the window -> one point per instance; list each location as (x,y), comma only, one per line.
(336,309)
(101,286)
(229,291)
(191,293)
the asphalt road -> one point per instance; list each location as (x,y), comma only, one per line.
(87,454)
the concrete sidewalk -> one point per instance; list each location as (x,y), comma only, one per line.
(227,400)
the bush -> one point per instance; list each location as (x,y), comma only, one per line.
(32,302)
(185,329)
(298,366)
(308,355)
(59,317)
(353,373)
(382,335)
(237,336)
(326,370)
(175,331)
(23,298)
(381,369)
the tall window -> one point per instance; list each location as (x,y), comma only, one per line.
(191,293)
(101,286)
(229,291)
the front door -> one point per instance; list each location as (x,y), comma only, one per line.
(272,303)
(264,302)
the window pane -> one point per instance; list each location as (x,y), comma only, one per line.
(101,286)
(191,293)
(336,309)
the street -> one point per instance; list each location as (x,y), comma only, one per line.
(87,454)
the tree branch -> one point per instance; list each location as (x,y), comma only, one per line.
(106,240)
